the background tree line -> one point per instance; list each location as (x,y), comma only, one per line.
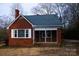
(68,12)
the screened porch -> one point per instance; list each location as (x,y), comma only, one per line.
(45,36)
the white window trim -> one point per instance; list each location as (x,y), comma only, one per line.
(29,33)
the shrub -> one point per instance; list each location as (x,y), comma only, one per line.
(71,33)
(3,35)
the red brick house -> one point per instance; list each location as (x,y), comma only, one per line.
(34,29)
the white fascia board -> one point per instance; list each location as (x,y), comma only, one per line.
(16,19)
(13,22)
(27,20)
(48,25)
(45,28)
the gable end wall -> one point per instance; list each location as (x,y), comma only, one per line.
(20,23)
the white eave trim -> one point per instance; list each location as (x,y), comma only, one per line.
(12,22)
(47,25)
(16,19)
(27,20)
(45,28)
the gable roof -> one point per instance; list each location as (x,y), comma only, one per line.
(16,19)
(44,20)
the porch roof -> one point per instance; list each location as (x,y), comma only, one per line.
(44,20)
(45,26)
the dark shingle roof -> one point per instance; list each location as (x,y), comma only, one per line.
(44,20)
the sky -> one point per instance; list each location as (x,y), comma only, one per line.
(5,8)
(6,11)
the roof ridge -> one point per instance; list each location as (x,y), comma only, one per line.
(42,15)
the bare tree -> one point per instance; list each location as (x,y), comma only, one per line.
(72,14)
(49,8)
(7,22)
(41,9)
(4,23)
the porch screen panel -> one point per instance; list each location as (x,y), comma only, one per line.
(48,36)
(42,36)
(37,36)
(53,36)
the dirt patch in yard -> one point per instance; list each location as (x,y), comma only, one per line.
(39,51)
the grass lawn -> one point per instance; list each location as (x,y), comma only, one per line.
(65,50)
(37,51)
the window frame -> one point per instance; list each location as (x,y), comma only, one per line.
(13,33)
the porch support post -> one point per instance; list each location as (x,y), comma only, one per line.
(33,36)
(45,36)
(58,37)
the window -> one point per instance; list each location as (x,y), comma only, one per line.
(26,33)
(15,33)
(21,33)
